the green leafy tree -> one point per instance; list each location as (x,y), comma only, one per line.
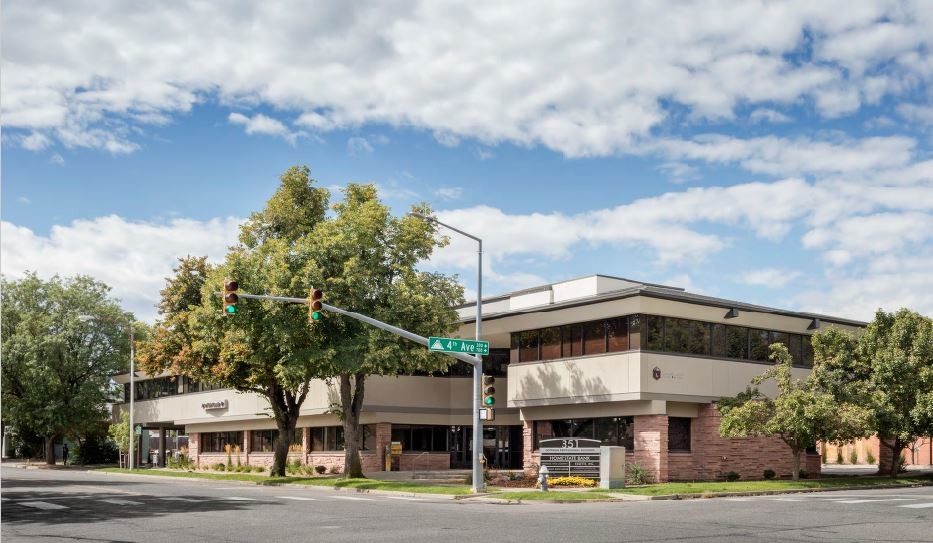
(889,370)
(800,415)
(363,259)
(119,432)
(62,341)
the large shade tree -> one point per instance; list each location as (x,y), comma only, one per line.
(800,415)
(889,370)
(63,339)
(361,256)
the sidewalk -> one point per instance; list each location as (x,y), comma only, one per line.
(19,463)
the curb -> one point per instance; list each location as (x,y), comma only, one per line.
(696,496)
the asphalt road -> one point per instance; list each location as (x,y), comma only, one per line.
(52,505)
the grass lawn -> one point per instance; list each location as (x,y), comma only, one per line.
(331,481)
(758,486)
(550,496)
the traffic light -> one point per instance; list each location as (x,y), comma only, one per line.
(230,297)
(489,391)
(315,305)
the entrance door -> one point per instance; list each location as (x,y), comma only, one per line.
(497,446)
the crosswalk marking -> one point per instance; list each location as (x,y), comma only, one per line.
(918,505)
(119,501)
(43,505)
(299,498)
(239,499)
(877,500)
(353,498)
(178,499)
(405,498)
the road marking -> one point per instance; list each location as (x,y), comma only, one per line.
(353,498)
(299,498)
(43,505)
(118,501)
(775,499)
(176,498)
(740,499)
(405,498)
(239,499)
(918,505)
(879,500)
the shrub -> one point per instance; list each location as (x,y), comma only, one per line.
(96,449)
(804,474)
(572,481)
(219,466)
(901,464)
(839,455)
(320,469)
(853,456)
(258,469)
(637,475)
(335,470)
(869,457)
(732,476)
(228,449)
(769,474)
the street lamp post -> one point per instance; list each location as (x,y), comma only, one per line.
(479,482)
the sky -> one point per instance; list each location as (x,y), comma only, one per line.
(776,153)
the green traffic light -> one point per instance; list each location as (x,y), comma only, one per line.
(490,400)
(231,309)
(316,315)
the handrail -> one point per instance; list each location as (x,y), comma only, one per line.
(414,464)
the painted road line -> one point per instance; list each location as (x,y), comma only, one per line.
(176,498)
(43,505)
(299,498)
(238,499)
(405,498)
(354,498)
(917,505)
(877,500)
(119,501)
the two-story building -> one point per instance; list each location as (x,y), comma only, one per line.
(625,362)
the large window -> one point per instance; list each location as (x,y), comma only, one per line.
(758,343)
(699,338)
(617,334)
(678,434)
(265,440)
(615,431)
(676,332)
(421,438)
(528,346)
(550,343)
(215,442)
(327,438)
(572,341)
(654,329)
(718,340)
(737,342)
(594,337)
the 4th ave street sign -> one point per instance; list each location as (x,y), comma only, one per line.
(451,345)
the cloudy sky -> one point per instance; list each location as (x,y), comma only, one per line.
(777,153)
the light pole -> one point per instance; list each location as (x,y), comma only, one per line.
(479,482)
(129,325)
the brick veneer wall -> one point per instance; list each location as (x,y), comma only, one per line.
(651,445)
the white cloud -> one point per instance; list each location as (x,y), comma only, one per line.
(916,113)
(449,193)
(132,257)
(359,146)
(36,141)
(768,115)
(769,277)
(23,200)
(57,159)
(420,64)
(261,124)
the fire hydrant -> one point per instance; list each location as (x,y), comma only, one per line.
(542,478)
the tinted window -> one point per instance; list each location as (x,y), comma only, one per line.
(617,334)
(736,342)
(718,340)
(594,337)
(678,433)
(572,344)
(807,352)
(676,332)
(699,337)
(794,348)
(782,338)
(758,341)
(655,332)
(528,346)
(550,343)
(635,324)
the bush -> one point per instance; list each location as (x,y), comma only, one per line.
(637,475)
(320,469)
(572,481)
(839,455)
(96,449)
(219,466)
(732,476)
(335,470)
(901,464)
(853,456)
(258,469)
(769,474)
(804,474)
(869,457)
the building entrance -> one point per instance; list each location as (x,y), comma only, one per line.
(502,446)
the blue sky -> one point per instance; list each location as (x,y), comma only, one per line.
(777,154)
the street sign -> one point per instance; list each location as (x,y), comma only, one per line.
(571,456)
(452,345)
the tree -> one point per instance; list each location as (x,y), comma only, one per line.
(362,258)
(119,432)
(888,369)
(62,341)
(800,415)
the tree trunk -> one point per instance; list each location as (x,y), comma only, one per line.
(50,449)
(351,401)
(895,456)
(796,473)
(280,451)
(285,406)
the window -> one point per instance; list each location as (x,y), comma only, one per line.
(572,341)
(421,438)
(718,340)
(594,337)
(807,352)
(655,332)
(758,341)
(528,346)
(678,434)
(676,332)
(794,348)
(617,334)
(699,338)
(737,342)
(367,437)
(262,440)
(614,431)
(781,337)
(217,441)
(327,438)
(635,335)
(496,363)
(550,343)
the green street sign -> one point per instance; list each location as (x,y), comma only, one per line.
(451,345)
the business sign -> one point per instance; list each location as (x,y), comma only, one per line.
(453,345)
(221,404)
(570,456)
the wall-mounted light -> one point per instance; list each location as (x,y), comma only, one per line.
(732,313)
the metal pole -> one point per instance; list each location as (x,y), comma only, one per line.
(132,398)
(479,481)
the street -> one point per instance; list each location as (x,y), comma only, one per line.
(55,505)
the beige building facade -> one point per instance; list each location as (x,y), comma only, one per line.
(625,362)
